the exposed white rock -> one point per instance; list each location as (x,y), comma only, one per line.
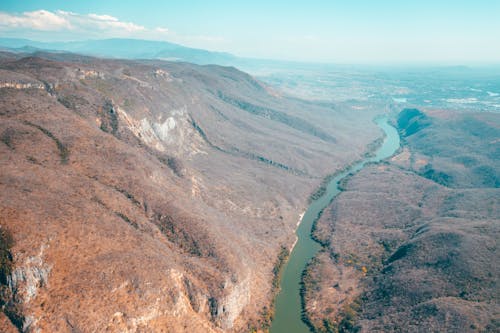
(162,129)
(21,85)
(27,278)
(174,133)
(231,306)
(160,73)
(85,74)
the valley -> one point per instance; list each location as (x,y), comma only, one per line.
(410,243)
(151,194)
(249,166)
(145,194)
(289,301)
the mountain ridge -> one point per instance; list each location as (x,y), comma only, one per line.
(124,48)
(132,190)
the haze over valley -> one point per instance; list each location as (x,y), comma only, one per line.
(158,180)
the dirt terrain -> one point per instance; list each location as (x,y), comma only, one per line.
(410,245)
(153,196)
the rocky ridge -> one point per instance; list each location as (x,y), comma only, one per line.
(138,198)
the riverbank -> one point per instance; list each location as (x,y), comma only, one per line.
(297,238)
(403,249)
(288,309)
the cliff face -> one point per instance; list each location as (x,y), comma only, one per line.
(151,194)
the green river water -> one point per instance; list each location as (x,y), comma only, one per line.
(288,309)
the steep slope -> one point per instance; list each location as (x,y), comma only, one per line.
(402,251)
(152,194)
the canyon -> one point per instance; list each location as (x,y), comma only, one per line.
(153,195)
(149,195)
(411,242)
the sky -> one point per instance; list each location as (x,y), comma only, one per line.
(334,31)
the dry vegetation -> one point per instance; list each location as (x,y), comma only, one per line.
(410,249)
(138,200)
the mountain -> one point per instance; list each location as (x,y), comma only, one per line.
(410,245)
(123,48)
(144,195)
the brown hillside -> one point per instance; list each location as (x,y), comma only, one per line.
(153,196)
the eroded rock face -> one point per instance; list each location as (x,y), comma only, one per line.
(25,281)
(28,277)
(176,301)
(230,307)
(20,85)
(172,131)
(139,200)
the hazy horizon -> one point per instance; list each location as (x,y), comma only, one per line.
(386,32)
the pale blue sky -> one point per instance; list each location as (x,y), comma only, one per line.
(355,31)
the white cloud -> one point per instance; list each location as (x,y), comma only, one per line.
(37,20)
(93,22)
(64,25)
(161,30)
(43,20)
(103,17)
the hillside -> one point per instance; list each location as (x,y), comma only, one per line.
(411,244)
(153,194)
(123,49)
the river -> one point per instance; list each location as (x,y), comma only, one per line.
(288,308)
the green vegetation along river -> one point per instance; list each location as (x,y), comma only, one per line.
(288,311)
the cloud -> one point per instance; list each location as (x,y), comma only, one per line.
(65,25)
(102,17)
(161,30)
(62,21)
(95,22)
(37,20)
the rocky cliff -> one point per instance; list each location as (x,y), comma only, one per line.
(153,196)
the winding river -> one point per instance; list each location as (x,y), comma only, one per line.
(288,309)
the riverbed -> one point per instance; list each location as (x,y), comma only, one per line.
(288,309)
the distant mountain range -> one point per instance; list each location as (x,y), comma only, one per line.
(123,48)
